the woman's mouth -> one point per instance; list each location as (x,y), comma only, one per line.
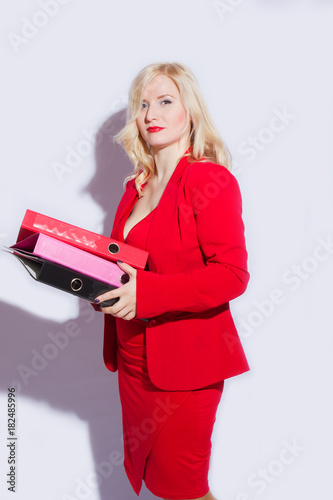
(154,129)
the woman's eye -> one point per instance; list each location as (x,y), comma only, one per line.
(166,101)
(144,105)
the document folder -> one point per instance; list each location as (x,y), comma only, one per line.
(51,249)
(94,243)
(64,278)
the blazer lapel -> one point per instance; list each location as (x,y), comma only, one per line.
(124,208)
(164,219)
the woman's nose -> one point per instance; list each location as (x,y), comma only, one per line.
(151,113)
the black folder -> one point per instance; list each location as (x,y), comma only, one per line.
(64,278)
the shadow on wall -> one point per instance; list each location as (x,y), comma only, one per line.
(42,358)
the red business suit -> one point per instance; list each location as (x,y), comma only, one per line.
(197,264)
(171,370)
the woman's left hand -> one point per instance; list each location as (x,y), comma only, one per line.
(125,307)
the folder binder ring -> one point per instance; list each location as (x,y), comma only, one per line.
(113,248)
(124,278)
(76,284)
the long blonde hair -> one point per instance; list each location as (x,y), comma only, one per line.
(204,138)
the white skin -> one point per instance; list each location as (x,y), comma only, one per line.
(161,107)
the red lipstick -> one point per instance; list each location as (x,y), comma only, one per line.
(154,129)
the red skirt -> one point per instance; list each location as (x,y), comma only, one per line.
(166,434)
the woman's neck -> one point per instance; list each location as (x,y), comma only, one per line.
(166,160)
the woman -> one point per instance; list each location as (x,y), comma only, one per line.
(184,206)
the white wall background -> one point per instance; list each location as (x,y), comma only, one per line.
(66,69)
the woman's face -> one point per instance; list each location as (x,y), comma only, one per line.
(162,117)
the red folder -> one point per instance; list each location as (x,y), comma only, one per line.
(94,243)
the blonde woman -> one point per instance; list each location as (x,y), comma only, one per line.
(184,206)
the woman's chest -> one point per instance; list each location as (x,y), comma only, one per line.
(166,229)
(142,208)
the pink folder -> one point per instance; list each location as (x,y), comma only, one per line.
(74,258)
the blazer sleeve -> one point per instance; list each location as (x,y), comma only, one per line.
(110,343)
(220,233)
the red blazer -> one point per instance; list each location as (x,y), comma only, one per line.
(197,264)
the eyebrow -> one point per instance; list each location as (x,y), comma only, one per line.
(164,95)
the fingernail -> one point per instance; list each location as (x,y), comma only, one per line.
(96,301)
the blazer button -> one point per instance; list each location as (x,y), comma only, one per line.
(152,322)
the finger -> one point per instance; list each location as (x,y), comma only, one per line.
(130,315)
(118,292)
(115,310)
(112,294)
(108,310)
(126,313)
(127,268)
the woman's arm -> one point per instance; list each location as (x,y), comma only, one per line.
(223,277)
(220,231)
